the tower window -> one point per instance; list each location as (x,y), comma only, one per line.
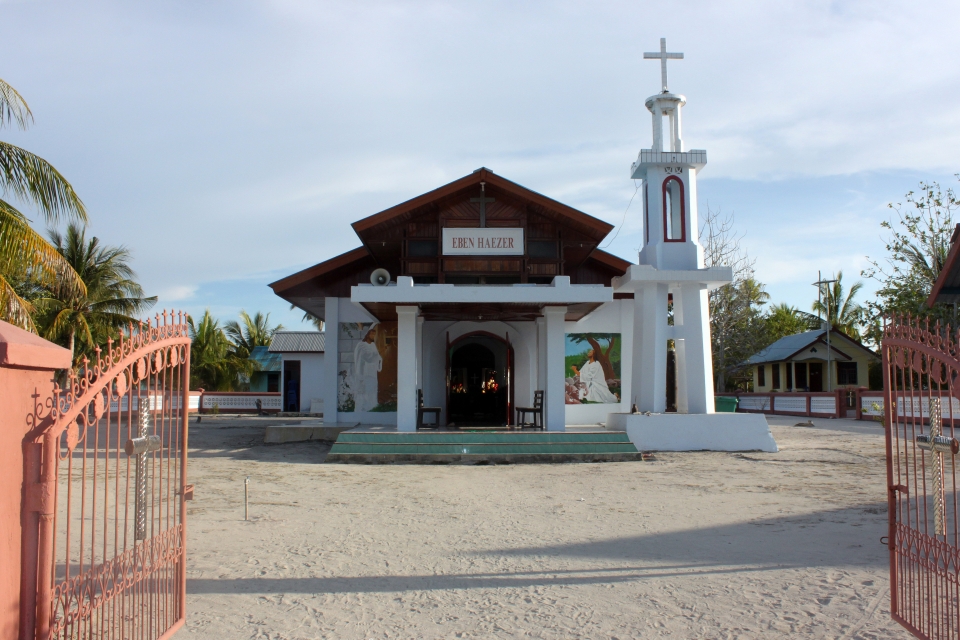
(674,225)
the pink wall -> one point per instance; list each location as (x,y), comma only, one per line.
(27,366)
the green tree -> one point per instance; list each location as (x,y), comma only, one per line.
(917,245)
(783,320)
(838,307)
(737,328)
(109,301)
(25,255)
(250,332)
(213,367)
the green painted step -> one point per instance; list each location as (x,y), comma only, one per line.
(453,437)
(497,447)
(481,449)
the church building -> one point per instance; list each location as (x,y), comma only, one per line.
(482,292)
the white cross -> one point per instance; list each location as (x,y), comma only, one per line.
(937,444)
(663,56)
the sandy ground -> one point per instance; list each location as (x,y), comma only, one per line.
(693,545)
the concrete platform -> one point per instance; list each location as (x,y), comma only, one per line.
(278,434)
(695,432)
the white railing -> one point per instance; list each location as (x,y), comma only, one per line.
(241,401)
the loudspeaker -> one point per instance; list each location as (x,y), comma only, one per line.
(380,277)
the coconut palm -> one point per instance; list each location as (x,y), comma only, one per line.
(250,333)
(25,255)
(839,308)
(783,320)
(212,365)
(82,320)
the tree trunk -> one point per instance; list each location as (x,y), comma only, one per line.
(602,358)
(73,335)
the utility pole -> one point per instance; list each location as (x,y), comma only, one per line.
(819,285)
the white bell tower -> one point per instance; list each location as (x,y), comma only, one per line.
(669,177)
(671,264)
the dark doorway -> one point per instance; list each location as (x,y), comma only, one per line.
(816,376)
(291,386)
(479,380)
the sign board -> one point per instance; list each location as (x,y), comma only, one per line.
(485,241)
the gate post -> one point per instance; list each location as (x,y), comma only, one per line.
(27,366)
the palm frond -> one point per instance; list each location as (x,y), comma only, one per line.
(32,178)
(23,249)
(13,108)
(13,308)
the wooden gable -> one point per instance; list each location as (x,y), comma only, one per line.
(406,239)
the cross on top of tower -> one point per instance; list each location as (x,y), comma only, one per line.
(663,57)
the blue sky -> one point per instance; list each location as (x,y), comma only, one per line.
(228,144)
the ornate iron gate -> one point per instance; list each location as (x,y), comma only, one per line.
(105,488)
(921,369)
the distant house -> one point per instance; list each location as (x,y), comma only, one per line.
(267,376)
(798,363)
(301,383)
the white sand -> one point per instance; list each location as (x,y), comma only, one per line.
(694,545)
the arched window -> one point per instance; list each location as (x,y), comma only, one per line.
(674,224)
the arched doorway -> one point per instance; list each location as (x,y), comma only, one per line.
(479,376)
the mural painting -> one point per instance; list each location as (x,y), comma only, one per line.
(592,368)
(367,367)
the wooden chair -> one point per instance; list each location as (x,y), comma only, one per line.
(422,410)
(536,410)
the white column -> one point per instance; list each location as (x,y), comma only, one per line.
(331,360)
(541,356)
(419,352)
(657,127)
(698,359)
(650,335)
(555,410)
(627,354)
(407,365)
(680,349)
(677,142)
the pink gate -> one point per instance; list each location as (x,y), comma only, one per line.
(105,490)
(921,368)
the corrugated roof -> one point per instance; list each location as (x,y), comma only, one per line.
(297,342)
(268,362)
(786,347)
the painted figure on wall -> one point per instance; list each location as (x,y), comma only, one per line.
(593,373)
(367,363)
(593,384)
(367,369)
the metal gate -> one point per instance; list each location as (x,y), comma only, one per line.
(921,369)
(105,489)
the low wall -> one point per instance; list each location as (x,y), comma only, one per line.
(239,402)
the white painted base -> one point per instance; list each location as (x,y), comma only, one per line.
(695,432)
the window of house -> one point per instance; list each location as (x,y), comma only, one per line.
(775,369)
(789,376)
(673,210)
(762,375)
(846,373)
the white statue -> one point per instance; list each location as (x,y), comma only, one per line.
(367,362)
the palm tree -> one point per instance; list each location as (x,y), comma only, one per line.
(312,319)
(840,311)
(110,302)
(24,254)
(250,333)
(212,365)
